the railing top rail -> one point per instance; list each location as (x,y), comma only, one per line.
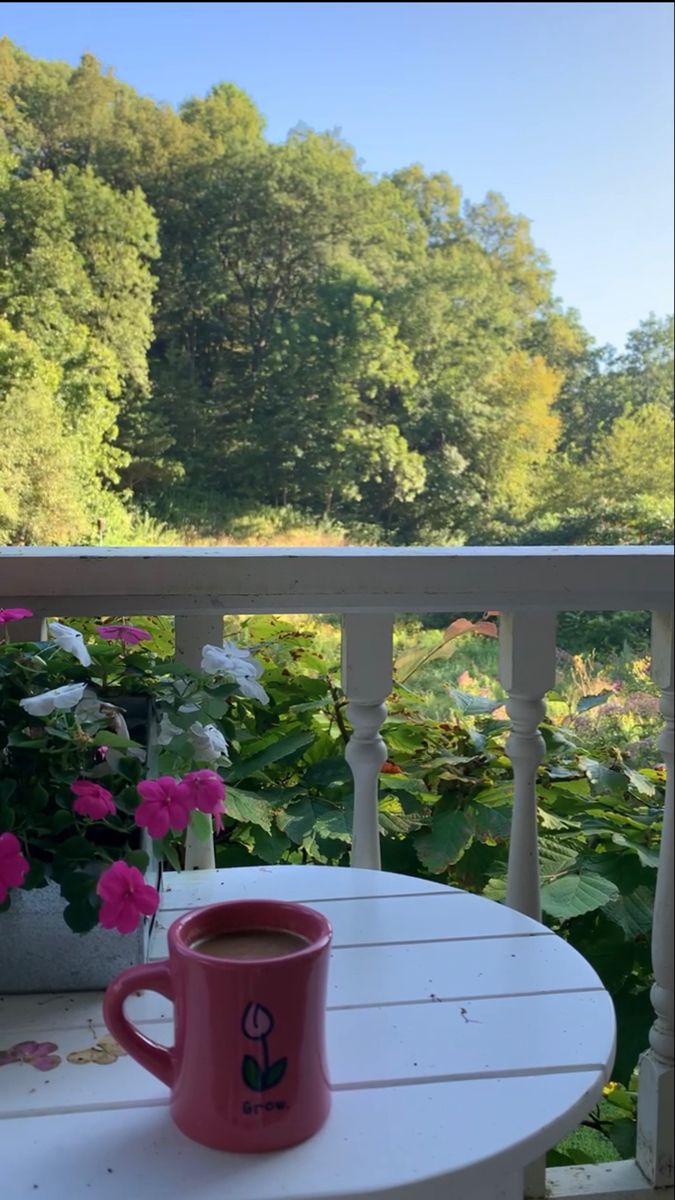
(78,581)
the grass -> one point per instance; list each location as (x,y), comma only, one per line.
(230,526)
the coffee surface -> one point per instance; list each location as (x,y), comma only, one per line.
(252,944)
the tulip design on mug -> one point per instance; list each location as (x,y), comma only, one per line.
(257,1023)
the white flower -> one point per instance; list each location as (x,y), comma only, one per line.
(209,743)
(70,640)
(61,698)
(230,659)
(167,731)
(254,690)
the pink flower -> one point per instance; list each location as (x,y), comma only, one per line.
(129,634)
(38,1054)
(92,800)
(161,807)
(13,866)
(204,790)
(14,614)
(126,897)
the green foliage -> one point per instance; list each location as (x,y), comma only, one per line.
(371,351)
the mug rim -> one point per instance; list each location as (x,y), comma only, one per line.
(256,909)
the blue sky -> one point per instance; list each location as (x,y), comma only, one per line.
(564,108)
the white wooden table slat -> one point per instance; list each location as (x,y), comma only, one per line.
(372,921)
(463,1040)
(308,886)
(73,1010)
(414,973)
(139,1153)
(366,1048)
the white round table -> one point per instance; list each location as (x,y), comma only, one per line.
(464,1040)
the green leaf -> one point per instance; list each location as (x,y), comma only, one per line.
(297,820)
(77,886)
(137,858)
(77,849)
(635,1015)
(622,1135)
(633,913)
(105,737)
(80,915)
(491,824)
(472,705)
(274,1074)
(248,807)
(283,748)
(251,1073)
(603,780)
(495,889)
(403,737)
(7,790)
(588,702)
(334,823)
(171,855)
(269,847)
(402,783)
(555,857)
(502,793)
(444,844)
(647,856)
(327,773)
(639,785)
(573,895)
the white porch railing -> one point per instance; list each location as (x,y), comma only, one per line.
(369,587)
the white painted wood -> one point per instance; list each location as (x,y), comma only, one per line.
(428,971)
(419,1142)
(75,581)
(534,1179)
(656,1112)
(72,1010)
(193,632)
(368,1047)
(200,853)
(602,1181)
(447,917)
(308,884)
(527,672)
(367,653)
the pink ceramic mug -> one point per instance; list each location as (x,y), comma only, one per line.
(248,1069)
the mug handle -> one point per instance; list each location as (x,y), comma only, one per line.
(155,977)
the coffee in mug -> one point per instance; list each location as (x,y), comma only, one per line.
(252,944)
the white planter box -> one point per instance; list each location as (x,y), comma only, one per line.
(39,953)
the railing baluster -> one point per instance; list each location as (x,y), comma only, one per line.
(192,632)
(527,672)
(655,1100)
(367,649)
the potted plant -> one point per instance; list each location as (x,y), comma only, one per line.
(108,754)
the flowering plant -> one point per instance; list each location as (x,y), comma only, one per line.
(83,801)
